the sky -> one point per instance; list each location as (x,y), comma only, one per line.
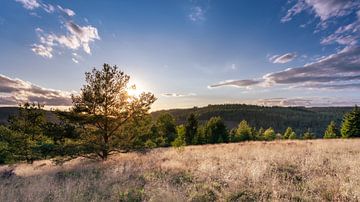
(187,52)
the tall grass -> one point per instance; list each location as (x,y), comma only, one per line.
(317,170)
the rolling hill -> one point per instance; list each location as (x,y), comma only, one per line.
(299,118)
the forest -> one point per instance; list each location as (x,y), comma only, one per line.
(105,119)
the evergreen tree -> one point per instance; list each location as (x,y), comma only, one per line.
(269,134)
(200,135)
(215,131)
(351,124)
(103,107)
(293,136)
(191,127)
(243,132)
(27,124)
(166,128)
(181,136)
(331,131)
(287,133)
(308,135)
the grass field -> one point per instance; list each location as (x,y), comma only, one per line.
(317,170)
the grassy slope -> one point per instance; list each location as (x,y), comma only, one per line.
(281,170)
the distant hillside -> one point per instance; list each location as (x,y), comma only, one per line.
(5,112)
(299,118)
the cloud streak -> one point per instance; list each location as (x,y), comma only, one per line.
(178,95)
(15,91)
(281,59)
(336,71)
(304,102)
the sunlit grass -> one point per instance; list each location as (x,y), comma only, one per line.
(317,170)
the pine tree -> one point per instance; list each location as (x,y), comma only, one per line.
(269,134)
(244,131)
(287,133)
(181,138)
(292,136)
(191,128)
(351,124)
(166,128)
(27,125)
(103,107)
(308,135)
(215,131)
(331,131)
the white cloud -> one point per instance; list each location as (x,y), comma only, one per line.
(324,9)
(48,8)
(75,60)
(336,71)
(76,37)
(29,4)
(236,83)
(178,95)
(197,14)
(304,101)
(285,58)
(44,51)
(67,11)
(15,91)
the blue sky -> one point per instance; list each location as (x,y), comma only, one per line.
(188,53)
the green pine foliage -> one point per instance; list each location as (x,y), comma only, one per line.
(181,137)
(269,134)
(243,132)
(331,131)
(351,124)
(293,136)
(166,128)
(287,133)
(308,135)
(215,131)
(191,128)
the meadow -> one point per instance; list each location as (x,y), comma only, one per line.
(282,170)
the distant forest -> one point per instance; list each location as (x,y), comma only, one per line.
(279,118)
(299,119)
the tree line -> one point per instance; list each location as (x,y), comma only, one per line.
(106,119)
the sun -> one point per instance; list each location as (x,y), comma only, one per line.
(135,89)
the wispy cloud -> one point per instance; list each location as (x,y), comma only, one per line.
(29,4)
(324,9)
(197,14)
(15,91)
(285,58)
(304,101)
(44,51)
(67,11)
(336,71)
(236,83)
(178,95)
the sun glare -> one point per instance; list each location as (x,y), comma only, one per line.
(135,90)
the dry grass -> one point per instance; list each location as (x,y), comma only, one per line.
(318,170)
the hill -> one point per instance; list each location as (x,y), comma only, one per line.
(299,118)
(5,112)
(318,170)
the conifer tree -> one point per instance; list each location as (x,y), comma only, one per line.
(351,124)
